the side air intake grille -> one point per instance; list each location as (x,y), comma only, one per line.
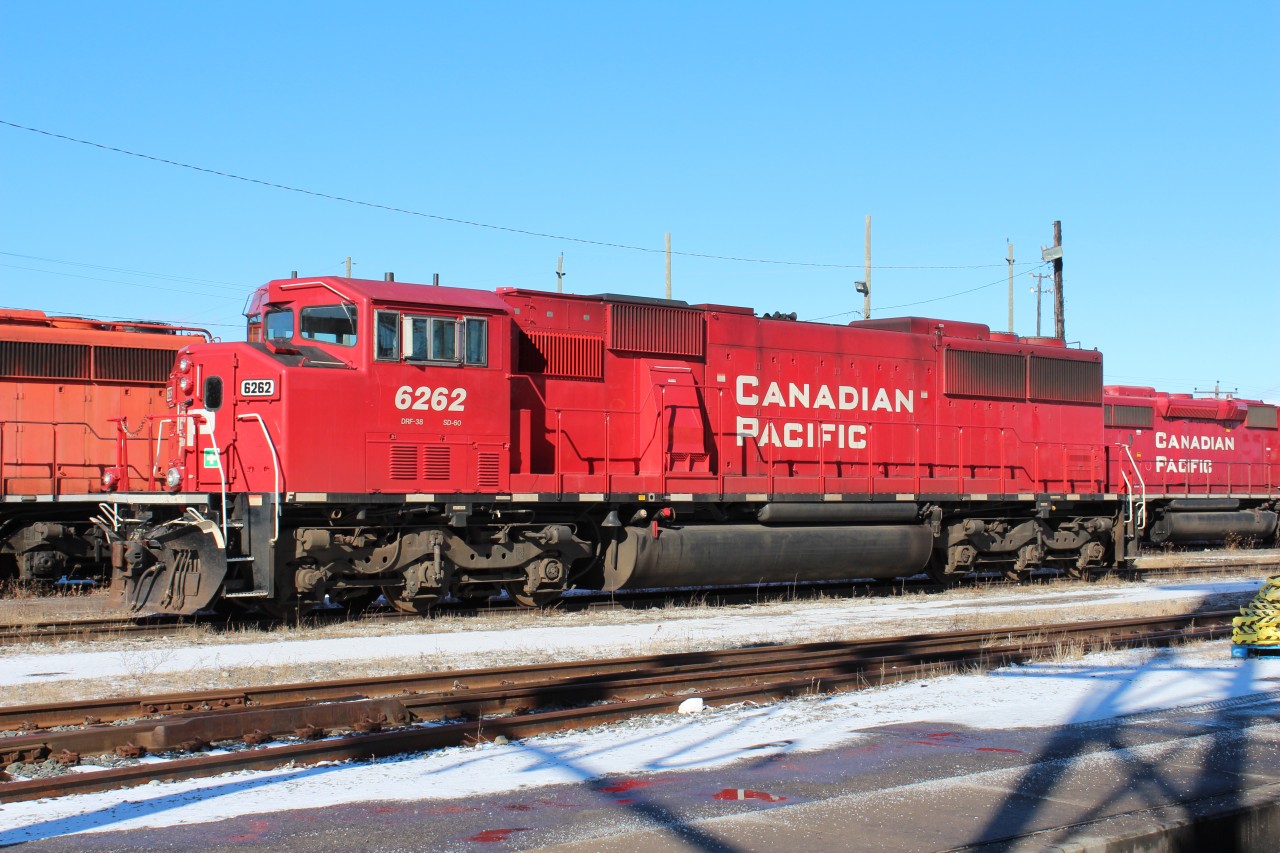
(1137,417)
(1261,417)
(1064,380)
(487,471)
(656,330)
(404,462)
(435,461)
(562,355)
(44,361)
(131,364)
(986,374)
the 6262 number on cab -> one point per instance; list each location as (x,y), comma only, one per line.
(431,399)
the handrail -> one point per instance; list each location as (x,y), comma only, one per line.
(1140,521)
(275,463)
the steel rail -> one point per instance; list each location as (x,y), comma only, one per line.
(628,689)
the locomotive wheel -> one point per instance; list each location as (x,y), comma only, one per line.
(539,600)
(413,605)
(937,570)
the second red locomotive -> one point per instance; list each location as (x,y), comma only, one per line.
(418,442)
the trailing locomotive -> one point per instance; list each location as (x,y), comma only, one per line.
(419,442)
(62,381)
(1206,468)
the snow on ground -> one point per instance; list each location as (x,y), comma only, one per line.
(1094,687)
(672,630)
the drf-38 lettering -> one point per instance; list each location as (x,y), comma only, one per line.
(427,399)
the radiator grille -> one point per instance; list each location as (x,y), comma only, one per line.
(131,364)
(487,471)
(404,462)
(1203,410)
(656,330)
(986,374)
(1138,417)
(435,462)
(1064,380)
(1261,417)
(44,361)
(562,355)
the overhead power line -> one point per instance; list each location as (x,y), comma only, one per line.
(922,301)
(457,221)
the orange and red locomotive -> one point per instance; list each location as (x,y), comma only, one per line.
(62,381)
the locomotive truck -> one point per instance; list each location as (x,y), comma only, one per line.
(383,438)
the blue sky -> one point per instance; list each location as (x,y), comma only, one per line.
(748,130)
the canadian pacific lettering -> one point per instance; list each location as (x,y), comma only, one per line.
(813,432)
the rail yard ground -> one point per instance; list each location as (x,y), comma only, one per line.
(727,778)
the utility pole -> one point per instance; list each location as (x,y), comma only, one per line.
(560,274)
(348,266)
(866,273)
(668,264)
(1010,285)
(1038,291)
(1055,254)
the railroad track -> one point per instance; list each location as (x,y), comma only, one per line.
(371,718)
(117,628)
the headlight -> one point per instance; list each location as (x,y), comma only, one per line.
(184,384)
(109,480)
(172,479)
(184,364)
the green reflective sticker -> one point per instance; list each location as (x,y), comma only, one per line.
(211,457)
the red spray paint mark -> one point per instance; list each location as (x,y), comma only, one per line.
(556,805)
(624,801)
(743,794)
(998,749)
(626,785)
(943,734)
(927,742)
(492,836)
(518,807)
(256,829)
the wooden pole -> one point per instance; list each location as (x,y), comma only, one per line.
(560,274)
(1010,287)
(1059,314)
(866,295)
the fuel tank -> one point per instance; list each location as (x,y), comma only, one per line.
(1212,526)
(754,553)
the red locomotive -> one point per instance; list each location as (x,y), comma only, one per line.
(418,442)
(62,380)
(1206,470)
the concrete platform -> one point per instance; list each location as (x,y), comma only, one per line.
(1205,777)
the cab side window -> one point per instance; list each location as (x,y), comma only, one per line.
(430,339)
(476,337)
(387,337)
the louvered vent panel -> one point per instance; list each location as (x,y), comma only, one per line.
(1138,417)
(1204,410)
(435,462)
(487,470)
(562,355)
(44,361)
(986,374)
(404,462)
(656,330)
(131,364)
(1261,417)
(1064,380)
